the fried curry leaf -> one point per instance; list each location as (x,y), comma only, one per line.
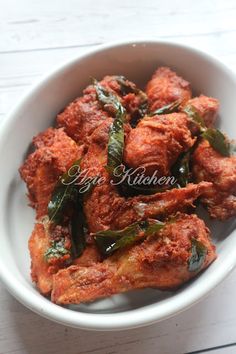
(78,232)
(167,109)
(198,255)
(61,197)
(116,141)
(126,86)
(109,101)
(181,169)
(65,192)
(111,240)
(194,115)
(214,136)
(57,250)
(217,140)
(116,134)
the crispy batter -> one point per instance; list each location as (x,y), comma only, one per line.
(160,261)
(42,269)
(156,143)
(55,152)
(209,165)
(166,87)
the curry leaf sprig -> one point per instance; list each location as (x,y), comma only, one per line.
(109,241)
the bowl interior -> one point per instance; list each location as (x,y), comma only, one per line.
(137,61)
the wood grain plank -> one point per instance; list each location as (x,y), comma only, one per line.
(75,22)
(226,350)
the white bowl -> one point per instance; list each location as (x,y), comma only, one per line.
(136,60)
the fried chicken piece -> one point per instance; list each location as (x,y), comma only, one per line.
(207,107)
(160,261)
(104,208)
(166,87)
(55,153)
(156,143)
(209,165)
(85,114)
(42,267)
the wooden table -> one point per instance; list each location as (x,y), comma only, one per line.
(34,37)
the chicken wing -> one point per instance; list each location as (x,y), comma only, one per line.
(209,165)
(161,261)
(166,87)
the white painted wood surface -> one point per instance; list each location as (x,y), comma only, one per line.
(36,35)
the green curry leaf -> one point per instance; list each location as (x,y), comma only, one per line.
(109,241)
(64,193)
(116,134)
(167,109)
(78,232)
(217,140)
(214,136)
(181,169)
(194,115)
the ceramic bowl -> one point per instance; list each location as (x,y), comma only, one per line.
(37,110)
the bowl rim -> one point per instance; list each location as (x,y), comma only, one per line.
(144,315)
